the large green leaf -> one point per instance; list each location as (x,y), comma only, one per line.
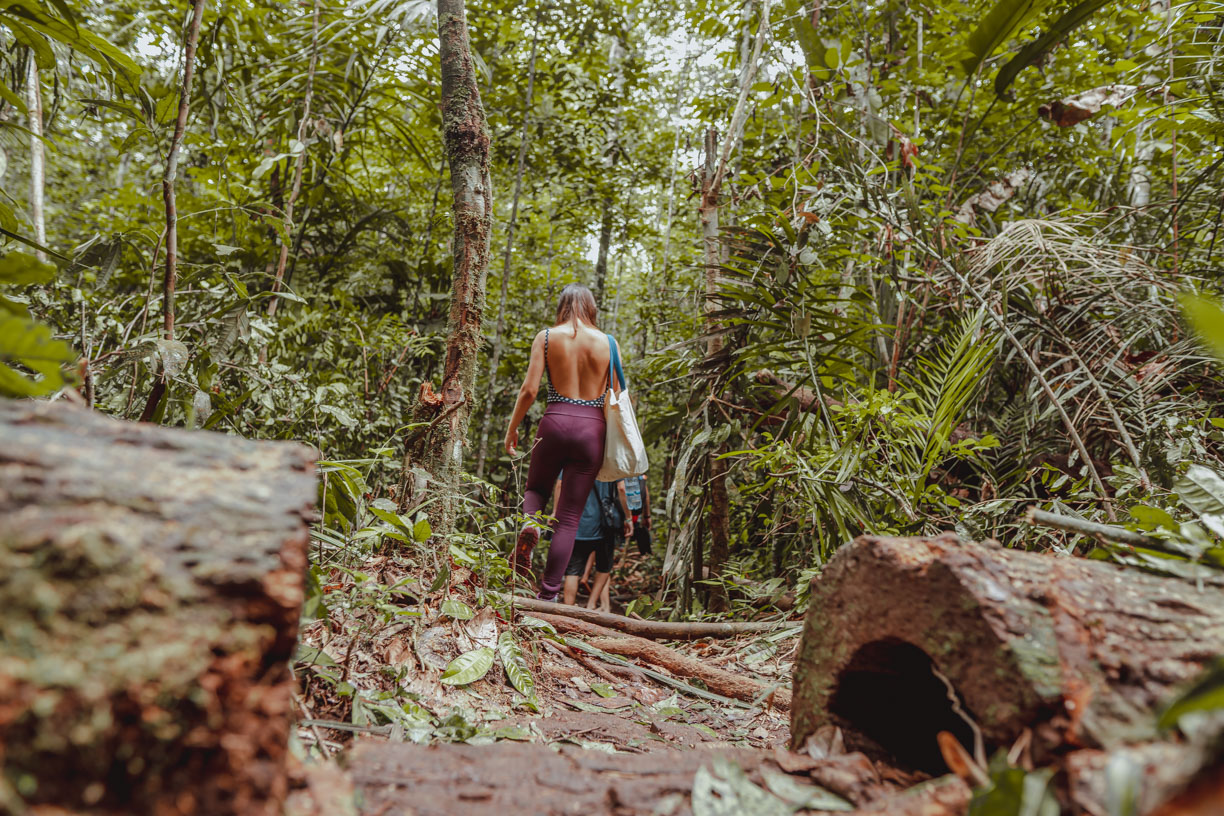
(1202,489)
(1015,792)
(468,667)
(515,665)
(20,269)
(31,345)
(1206,317)
(1075,17)
(1000,23)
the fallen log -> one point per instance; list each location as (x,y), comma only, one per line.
(724,683)
(151,582)
(656,630)
(728,684)
(907,637)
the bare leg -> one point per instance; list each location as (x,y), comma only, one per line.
(569,591)
(600,588)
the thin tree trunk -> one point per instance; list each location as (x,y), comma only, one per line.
(671,183)
(466,134)
(495,359)
(713,173)
(170,280)
(298,165)
(37,176)
(605,240)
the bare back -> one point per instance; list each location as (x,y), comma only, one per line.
(578,363)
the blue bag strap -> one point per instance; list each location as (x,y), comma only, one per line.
(614,363)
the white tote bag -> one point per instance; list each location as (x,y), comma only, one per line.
(624,451)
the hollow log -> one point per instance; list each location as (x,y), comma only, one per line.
(151,582)
(1082,652)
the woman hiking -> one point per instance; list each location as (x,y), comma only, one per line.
(576,356)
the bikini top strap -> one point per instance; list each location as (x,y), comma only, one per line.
(546,356)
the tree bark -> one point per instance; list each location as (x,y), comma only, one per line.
(37,171)
(1077,651)
(298,164)
(656,630)
(466,134)
(605,241)
(151,581)
(495,359)
(170,281)
(169,174)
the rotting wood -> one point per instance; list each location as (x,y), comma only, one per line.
(1080,651)
(151,581)
(657,630)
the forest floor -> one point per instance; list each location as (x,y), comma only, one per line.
(596,736)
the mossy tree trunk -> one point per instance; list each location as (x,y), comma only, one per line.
(466,133)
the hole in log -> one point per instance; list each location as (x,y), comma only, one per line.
(888,693)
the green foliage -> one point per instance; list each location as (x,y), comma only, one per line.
(26,346)
(1015,792)
(468,667)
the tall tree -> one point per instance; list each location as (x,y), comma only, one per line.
(495,357)
(466,133)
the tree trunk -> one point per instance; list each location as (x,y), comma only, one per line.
(298,165)
(170,281)
(151,581)
(37,173)
(1079,652)
(605,240)
(466,135)
(719,518)
(495,358)
(169,174)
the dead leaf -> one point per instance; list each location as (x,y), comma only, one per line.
(1075,109)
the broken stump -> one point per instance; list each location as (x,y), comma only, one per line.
(1082,652)
(151,581)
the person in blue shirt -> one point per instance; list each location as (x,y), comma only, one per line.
(638,496)
(597,535)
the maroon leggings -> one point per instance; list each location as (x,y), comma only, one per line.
(569,437)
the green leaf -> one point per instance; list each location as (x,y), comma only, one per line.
(1015,792)
(1206,317)
(30,344)
(457,609)
(421,531)
(1149,518)
(1202,490)
(603,689)
(727,791)
(20,269)
(515,665)
(997,27)
(1058,31)
(468,667)
(801,796)
(1207,694)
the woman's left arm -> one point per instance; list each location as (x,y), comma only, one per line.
(527,392)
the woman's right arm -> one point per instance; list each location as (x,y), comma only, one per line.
(527,392)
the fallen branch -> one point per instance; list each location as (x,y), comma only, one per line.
(736,686)
(1107,532)
(656,630)
(678,685)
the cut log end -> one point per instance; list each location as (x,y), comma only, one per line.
(907,638)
